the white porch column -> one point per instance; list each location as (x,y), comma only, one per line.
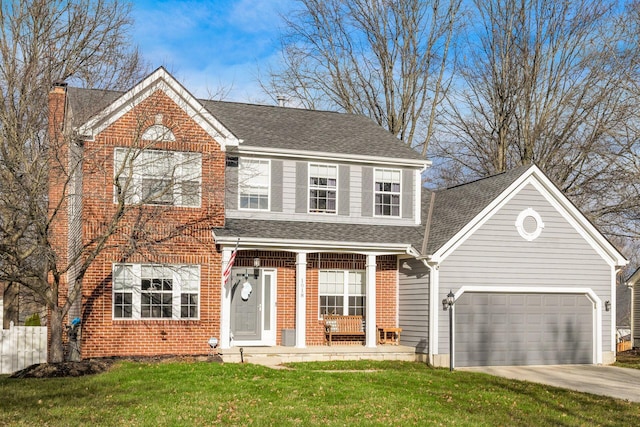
(371,329)
(301,299)
(225,303)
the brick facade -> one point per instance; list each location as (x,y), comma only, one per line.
(285,263)
(174,235)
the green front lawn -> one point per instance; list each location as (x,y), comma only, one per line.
(347,393)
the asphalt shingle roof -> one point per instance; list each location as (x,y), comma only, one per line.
(308,130)
(324,232)
(322,131)
(455,207)
(86,103)
(277,127)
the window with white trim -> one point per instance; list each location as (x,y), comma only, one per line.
(253,183)
(387,192)
(158,177)
(152,291)
(323,182)
(342,292)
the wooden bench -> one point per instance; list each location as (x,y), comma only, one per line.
(342,326)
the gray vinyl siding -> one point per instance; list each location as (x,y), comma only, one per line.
(413,304)
(496,255)
(343,189)
(406,204)
(289,195)
(301,187)
(355,185)
(231,190)
(289,186)
(367,191)
(276,185)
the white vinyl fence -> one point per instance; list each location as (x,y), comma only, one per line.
(21,346)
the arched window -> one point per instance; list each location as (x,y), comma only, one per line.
(158,133)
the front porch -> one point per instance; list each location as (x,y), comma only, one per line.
(272,292)
(273,356)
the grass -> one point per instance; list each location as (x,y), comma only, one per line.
(338,393)
(628,359)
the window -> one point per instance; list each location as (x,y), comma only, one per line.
(322,188)
(387,192)
(342,292)
(158,177)
(144,291)
(253,184)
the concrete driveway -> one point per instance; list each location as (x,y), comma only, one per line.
(621,383)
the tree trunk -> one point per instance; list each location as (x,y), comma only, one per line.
(11,304)
(56,328)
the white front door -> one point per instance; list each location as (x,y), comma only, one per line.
(253,307)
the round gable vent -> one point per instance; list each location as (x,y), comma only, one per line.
(529,224)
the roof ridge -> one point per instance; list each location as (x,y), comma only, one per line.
(484,178)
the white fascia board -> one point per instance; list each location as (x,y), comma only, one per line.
(479,220)
(315,245)
(554,196)
(635,278)
(336,157)
(583,226)
(160,80)
(579,221)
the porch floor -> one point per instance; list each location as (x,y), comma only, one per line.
(275,356)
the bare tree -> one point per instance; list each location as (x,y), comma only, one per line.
(543,81)
(388,60)
(41,42)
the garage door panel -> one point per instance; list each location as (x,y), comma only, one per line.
(522,329)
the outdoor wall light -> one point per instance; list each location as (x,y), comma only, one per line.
(607,305)
(448,301)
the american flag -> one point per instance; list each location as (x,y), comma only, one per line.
(227,271)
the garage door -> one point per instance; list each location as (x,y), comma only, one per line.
(523,329)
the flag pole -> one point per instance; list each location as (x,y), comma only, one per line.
(227,271)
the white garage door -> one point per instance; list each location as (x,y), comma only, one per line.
(523,329)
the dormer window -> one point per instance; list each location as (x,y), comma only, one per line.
(158,133)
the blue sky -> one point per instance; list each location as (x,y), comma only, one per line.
(213,44)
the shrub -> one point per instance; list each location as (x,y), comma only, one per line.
(33,320)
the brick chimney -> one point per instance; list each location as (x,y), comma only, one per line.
(57,108)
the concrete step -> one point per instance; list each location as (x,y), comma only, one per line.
(273,356)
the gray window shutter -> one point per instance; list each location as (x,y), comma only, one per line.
(407,193)
(276,185)
(344,177)
(302,181)
(231,190)
(367,191)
